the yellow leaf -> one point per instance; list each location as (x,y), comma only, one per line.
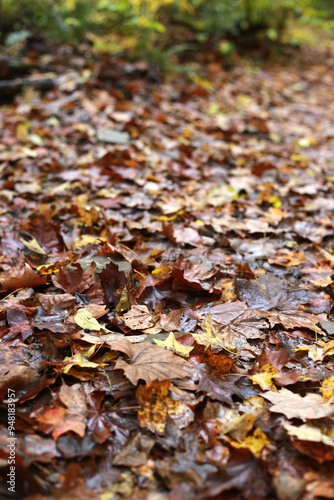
(300,158)
(85,319)
(254,443)
(265,376)
(82,359)
(157,407)
(172,344)
(162,272)
(33,245)
(236,425)
(22,132)
(275,201)
(313,352)
(124,303)
(327,389)
(87,239)
(209,337)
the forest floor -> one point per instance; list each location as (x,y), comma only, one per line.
(167,280)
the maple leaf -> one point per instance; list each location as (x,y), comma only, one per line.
(172,344)
(138,317)
(150,362)
(210,337)
(157,407)
(293,405)
(58,421)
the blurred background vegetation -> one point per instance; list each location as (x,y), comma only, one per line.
(159,31)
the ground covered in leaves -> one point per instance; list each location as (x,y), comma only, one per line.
(166,281)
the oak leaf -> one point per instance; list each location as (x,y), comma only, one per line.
(150,362)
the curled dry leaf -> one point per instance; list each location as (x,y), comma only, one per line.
(28,279)
(150,362)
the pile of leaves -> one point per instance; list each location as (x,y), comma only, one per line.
(167,282)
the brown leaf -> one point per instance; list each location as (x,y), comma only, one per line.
(135,452)
(138,317)
(26,280)
(150,362)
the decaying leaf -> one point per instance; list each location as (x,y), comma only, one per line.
(150,362)
(157,407)
(138,317)
(293,405)
(135,451)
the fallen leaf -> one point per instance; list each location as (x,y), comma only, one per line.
(210,337)
(138,317)
(254,443)
(157,407)
(173,345)
(264,378)
(59,421)
(135,452)
(150,362)
(327,389)
(293,405)
(307,432)
(85,320)
(81,359)
(28,279)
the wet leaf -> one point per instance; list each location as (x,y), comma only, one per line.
(24,280)
(157,407)
(150,362)
(173,345)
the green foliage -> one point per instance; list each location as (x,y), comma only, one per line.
(158,29)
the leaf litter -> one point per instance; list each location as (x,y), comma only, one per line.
(165,275)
